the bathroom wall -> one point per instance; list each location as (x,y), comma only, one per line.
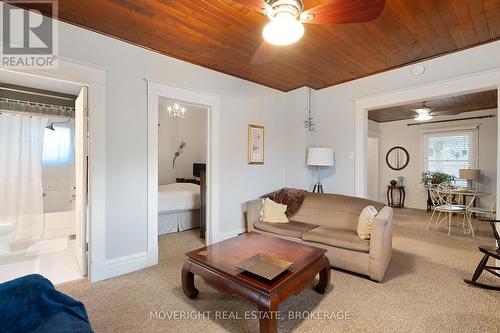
(172,131)
(59,178)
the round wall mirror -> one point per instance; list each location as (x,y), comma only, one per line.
(397,158)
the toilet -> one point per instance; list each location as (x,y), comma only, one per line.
(6,228)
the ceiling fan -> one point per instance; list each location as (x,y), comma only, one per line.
(426,113)
(286,18)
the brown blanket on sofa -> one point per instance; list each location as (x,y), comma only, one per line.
(291,197)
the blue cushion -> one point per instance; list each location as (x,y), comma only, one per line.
(31,303)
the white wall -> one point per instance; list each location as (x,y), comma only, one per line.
(396,133)
(173,131)
(242,102)
(336,110)
(298,138)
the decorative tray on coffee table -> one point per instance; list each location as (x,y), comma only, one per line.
(264,266)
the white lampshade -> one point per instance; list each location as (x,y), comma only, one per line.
(320,157)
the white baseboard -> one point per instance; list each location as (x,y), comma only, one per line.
(123,265)
(106,269)
(416,204)
(226,235)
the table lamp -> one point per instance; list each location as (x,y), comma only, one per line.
(470,175)
(320,157)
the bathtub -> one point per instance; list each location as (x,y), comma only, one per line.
(59,224)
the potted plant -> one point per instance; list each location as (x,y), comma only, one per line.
(435,178)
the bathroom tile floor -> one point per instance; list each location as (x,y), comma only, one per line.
(51,258)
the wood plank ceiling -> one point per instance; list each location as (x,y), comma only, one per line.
(222,35)
(445,106)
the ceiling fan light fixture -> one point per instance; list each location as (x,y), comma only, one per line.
(284,29)
(423,117)
(424,113)
(423,109)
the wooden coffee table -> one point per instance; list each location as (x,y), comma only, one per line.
(216,264)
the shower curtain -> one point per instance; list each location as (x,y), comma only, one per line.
(21,192)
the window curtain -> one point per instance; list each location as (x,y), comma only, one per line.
(21,192)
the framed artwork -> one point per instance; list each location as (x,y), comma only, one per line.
(255,144)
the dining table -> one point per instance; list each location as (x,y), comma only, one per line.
(462,194)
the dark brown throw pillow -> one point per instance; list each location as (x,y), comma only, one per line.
(291,197)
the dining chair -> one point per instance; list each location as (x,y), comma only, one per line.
(447,205)
(489,211)
(434,196)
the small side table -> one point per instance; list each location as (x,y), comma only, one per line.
(390,196)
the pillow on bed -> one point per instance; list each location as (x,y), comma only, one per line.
(273,212)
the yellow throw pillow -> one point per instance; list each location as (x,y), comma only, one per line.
(273,212)
(365,221)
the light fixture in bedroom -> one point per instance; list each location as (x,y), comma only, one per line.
(176,111)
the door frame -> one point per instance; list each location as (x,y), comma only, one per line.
(465,84)
(375,136)
(94,78)
(155,92)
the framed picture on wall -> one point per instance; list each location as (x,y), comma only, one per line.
(255,144)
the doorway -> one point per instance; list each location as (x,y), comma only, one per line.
(182,168)
(156,93)
(43,221)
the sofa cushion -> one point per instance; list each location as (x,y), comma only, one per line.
(291,197)
(291,229)
(346,239)
(273,212)
(333,210)
(365,221)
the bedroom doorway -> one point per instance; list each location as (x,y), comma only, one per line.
(160,98)
(182,167)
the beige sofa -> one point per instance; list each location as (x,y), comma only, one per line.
(330,221)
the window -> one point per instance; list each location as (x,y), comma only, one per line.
(449,151)
(58,146)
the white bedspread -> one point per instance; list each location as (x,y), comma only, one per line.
(178,196)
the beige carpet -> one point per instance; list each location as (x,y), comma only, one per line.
(422,291)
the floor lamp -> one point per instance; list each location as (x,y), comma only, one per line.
(320,157)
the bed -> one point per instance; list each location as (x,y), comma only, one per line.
(178,207)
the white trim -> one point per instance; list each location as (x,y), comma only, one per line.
(158,91)
(226,235)
(422,205)
(123,265)
(459,85)
(95,79)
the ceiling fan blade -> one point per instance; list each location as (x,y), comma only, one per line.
(256,5)
(264,54)
(446,113)
(344,11)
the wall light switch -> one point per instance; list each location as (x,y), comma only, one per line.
(351,155)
